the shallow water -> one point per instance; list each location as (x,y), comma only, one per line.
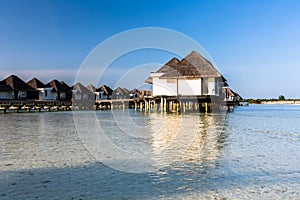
(252,153)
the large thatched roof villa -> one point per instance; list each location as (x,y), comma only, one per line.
(192,76)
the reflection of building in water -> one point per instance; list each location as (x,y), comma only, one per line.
(206,144)
(186,138)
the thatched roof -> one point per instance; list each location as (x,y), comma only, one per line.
(91,88)
(166,67)
(229,92)
(121,91)
(136,92)
(36,83)
(238,96)
(80,89)
(192,66)
(203,66)
(126,90)
(59,86)
(105,89)
(182,69)
(17,84)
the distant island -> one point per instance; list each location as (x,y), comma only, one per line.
(280,100)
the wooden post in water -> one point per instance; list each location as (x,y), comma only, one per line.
(196,106)
(146,105)
(141,105)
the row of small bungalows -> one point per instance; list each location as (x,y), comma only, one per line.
(175,83)
(14,88)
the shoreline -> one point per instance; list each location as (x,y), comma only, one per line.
(281,102)
(290,102)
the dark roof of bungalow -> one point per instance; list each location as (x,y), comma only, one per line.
(237,95)
(91,88)
(66,85)
(36,83)
(15,83)
(135,91)
(58,86)
(105,89)
(121,91)
(166,67)
(81,89)
(181,69)
(229,91)
(126,90)
(5,87)
(192,66)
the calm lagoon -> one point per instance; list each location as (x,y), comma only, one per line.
(251,153)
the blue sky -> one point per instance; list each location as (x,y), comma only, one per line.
(255,44)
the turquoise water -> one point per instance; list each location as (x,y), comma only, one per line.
(252,153)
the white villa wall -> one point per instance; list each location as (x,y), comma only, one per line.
(6,94)
(189,87)
(186,87)
(164,87)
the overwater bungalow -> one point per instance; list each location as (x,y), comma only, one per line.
(229,95)
(135,93)
(92,89)
(42,91)
(14,88)
(80,92)
(104,93)
(192,77)
(59,91)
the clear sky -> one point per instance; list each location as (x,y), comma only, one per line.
(254,43)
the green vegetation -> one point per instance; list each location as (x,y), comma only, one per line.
(280,98)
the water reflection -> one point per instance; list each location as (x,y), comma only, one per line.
(182,139)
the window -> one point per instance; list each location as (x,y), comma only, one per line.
(46,93)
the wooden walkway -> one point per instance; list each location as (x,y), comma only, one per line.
(159,104)
(34,105)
